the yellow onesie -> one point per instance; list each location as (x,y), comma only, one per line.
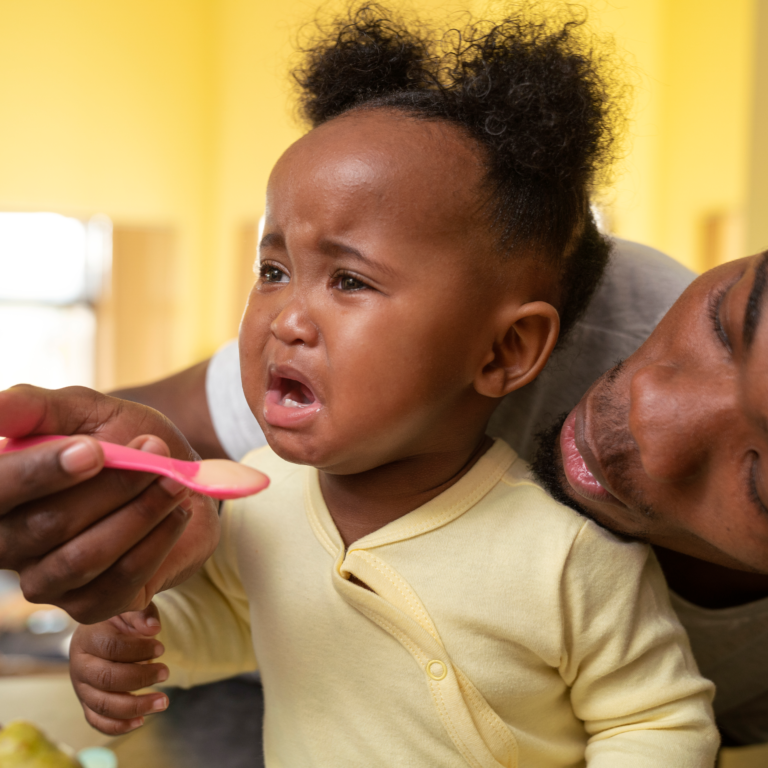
(490,627)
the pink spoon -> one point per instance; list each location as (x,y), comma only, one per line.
(219,478)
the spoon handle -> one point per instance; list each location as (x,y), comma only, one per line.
(116,456)
(120,457)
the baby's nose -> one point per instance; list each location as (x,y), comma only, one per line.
(293,324)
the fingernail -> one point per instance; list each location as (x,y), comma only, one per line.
(159,650)
(137,723)
(162,675)
(171,487)
(159,705)
(152,445)
(152,622)
(186,504)
(78,458)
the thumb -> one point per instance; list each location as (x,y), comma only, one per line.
(145,623)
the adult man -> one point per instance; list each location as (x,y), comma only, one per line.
(639,287)
(671,446)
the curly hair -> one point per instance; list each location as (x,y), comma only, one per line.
(531,90)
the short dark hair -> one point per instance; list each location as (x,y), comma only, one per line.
(532,92)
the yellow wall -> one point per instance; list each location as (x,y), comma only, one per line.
(107,107)
(691,63)
(635,25)
(706,82)
(757,197)
(172,112)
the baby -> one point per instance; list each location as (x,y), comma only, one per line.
(409,595)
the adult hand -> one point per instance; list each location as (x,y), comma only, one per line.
(94,541)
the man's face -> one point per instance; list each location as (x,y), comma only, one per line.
(360,340)
(671,446)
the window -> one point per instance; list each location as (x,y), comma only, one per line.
(53,270)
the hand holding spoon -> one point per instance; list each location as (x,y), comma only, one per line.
(219,478)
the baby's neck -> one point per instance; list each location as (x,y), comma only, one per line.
(361,504)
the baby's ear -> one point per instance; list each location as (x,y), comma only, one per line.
(526,336)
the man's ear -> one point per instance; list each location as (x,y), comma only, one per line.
(525,340)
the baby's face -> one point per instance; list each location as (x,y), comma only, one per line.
(359,344)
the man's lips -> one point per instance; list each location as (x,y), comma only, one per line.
(290,399)
(583,480)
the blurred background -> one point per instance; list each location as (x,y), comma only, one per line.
(136,139)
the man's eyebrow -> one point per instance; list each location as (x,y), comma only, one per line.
(755,301)
(271,240)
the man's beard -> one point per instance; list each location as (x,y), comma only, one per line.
(547,465)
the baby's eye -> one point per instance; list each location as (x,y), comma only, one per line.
(269,273)
(349,283)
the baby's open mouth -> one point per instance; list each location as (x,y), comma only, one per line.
(293,394)
(289,402)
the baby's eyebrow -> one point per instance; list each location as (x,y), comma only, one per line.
(333,248)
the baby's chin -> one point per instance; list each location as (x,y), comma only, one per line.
(335,446)
(321,454)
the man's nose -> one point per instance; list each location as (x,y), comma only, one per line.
(293,324)
(676,417)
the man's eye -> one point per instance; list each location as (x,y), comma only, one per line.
(271,274)
(715,303)
(349,283)
(753,494)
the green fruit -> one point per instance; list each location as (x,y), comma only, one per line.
(22,745)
